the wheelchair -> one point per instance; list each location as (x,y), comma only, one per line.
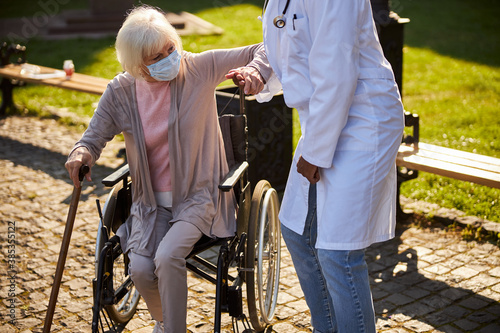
(252,256)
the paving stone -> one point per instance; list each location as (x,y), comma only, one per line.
(422,250)
(438,319)
(448,329)
(384,307)
(432,258)
(283,328)
(416,309)
(378,293)
(465,272)
(399,299)
(496,288)
(474,303)
(392,286)
(482,317)
(411,278)
(495,272)
(494,309)
(400,317)
(437,269)
(466,325)
(396,330)
(493,328)
(286,312)
(454,293)
(284,297)
(25,323)
(417,326)
(7,329)
(472,285)
(491,295)
(436,301)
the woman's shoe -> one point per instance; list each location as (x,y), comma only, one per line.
(158,327)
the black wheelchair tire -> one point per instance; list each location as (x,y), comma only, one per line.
(113,311)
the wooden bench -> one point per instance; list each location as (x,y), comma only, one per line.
(12,77)
(414,156)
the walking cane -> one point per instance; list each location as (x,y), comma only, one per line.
(75,197)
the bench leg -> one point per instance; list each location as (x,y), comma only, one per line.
(7,101)
(400,214)
(403,175)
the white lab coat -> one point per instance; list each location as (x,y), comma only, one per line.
(332,69)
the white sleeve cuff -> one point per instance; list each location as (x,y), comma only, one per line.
(271,88)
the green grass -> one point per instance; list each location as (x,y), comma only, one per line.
(451,77)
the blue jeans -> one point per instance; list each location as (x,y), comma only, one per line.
(336,285)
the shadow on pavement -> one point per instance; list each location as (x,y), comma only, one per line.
(51,163)
(432,281)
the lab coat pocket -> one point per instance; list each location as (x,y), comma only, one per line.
(297,29)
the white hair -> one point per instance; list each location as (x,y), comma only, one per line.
(145,31)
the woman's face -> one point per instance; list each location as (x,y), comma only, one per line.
(155,57)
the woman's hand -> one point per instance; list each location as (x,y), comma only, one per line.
(308,170)
(80,156)
(247,77)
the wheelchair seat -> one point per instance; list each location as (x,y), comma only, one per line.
(206,242)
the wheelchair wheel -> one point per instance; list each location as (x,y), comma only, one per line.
(123,310)
(263,255)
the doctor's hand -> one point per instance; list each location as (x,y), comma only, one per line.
(80,156)
(308,170)
(247,77)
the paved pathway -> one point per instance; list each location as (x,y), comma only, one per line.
(425,280)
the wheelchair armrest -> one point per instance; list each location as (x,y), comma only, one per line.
(116,176)
(233,176)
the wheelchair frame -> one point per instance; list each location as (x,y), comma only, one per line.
(255,251)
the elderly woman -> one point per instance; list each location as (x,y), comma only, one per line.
(164,104)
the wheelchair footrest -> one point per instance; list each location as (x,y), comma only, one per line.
(235,301)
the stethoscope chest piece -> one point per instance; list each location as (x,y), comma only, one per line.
(279,22)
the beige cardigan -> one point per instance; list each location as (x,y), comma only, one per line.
(197,157)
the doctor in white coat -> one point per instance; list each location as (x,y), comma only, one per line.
(341,192)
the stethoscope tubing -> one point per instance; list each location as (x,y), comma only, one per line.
(279,21)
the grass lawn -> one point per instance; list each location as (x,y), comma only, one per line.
(451,77)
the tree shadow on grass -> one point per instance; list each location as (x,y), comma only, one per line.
(461,29)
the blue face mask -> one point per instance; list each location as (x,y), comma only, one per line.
(167,68)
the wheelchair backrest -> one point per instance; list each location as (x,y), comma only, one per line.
(234,134)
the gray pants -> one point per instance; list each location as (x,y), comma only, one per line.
(162,279)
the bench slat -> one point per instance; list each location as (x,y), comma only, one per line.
(487,160)
(78,82)
(447,169)
(453,156)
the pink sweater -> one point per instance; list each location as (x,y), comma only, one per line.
(153,101)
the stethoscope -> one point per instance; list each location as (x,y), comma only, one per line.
(279,21)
